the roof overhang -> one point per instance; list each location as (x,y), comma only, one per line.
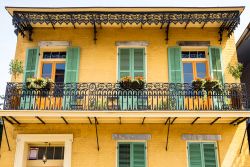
(225,18)
(190,117)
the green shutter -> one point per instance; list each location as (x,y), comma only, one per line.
(124,155)
(138,62)
(210,157)
(216,63)
(72,65)
(71,76)
(194,154)
(139,155)
(31,63)
(30,70)
(202,154)
(131,155)
(124,68)
(174,65)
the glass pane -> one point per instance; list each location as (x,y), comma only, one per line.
(193,54)
(201,70)
(201,54)
(60,70)
(33,153)
(46,55)
(55,55)
(185,54)
(63,55)
(47,69)
(41,152)
(50,152)
(188,72)
(58,153)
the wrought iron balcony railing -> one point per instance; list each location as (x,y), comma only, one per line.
(109,96)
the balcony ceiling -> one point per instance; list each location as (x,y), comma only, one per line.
(225,18)
(120,117)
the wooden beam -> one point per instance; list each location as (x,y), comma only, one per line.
(120,119)
(216,119)
(65,121)
(195,120)
(40,120)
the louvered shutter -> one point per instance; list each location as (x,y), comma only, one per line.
(32,56)
(71,76)
(139,156)
(174,65)
(30,70)
(124,68)
(72,65)
(194,154)
(216,63)
(124,155)
(1,133)
(210,157)
(138,62)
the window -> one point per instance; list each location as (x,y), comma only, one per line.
(54,55)
(53,152)
(131,62)
(131,155)
(195,65)
(53,69)
(202,154)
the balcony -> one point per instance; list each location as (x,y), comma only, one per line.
(109,96)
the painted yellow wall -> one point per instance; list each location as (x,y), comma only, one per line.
(85,152)
(98,62)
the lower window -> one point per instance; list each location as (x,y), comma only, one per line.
(202,154)
(131,154)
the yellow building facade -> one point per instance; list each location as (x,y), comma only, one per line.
(90,120)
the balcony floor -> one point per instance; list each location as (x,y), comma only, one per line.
(141,117)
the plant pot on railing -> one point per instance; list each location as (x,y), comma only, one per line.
(42,85)
(198,84)
(127,83)
(212,86)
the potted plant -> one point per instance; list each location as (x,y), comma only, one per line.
(15,69)
(39,83)
(236,72)
(197,84)
(138,83)
(212,85)
(125,82)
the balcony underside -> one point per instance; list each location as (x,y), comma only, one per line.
(121,117)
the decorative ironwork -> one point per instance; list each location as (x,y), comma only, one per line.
(109,96)
(22,20)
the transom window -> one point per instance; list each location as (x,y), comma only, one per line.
(52,152)
(54,55)
(195,65)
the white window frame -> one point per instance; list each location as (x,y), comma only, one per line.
(24,139)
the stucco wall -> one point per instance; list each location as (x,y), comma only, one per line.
(98,62)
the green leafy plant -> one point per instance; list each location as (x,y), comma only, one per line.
(236,70)
(39,83)
(16,68)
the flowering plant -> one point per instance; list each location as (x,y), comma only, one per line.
(127,82)
(198,84)
(39,83)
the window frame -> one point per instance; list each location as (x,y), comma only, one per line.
(203,142)
(131,47)
(131,142)
(194,61)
